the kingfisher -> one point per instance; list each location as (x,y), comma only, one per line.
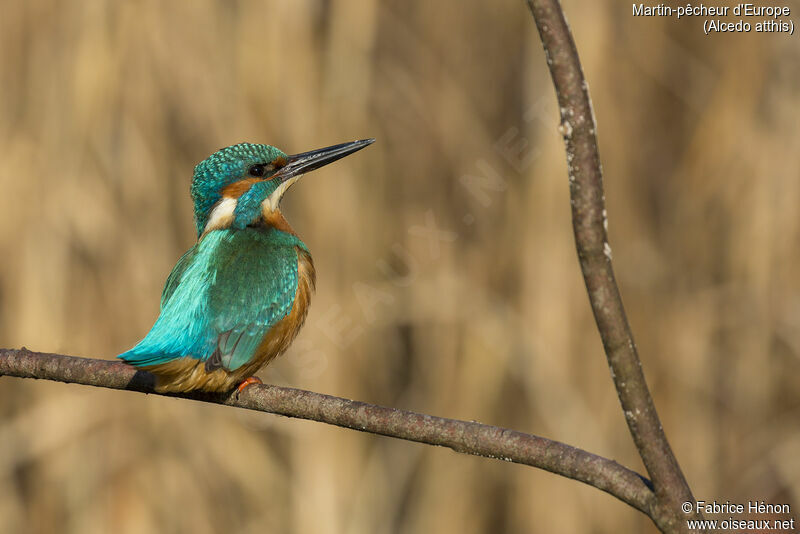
(239,296)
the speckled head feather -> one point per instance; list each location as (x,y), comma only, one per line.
(221,169)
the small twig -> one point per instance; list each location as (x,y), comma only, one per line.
(594,253)
(461,436)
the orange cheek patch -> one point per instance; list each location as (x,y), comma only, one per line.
(237,189)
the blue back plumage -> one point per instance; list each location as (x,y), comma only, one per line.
(222,297)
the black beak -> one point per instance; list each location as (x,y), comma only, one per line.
(308,161)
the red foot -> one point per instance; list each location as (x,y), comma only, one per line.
(247,382)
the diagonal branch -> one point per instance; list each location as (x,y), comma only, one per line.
(594,254)
(461,436)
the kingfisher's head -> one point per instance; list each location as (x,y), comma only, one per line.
(238,184)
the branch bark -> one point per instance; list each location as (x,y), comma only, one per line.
(462,436)
(594,254)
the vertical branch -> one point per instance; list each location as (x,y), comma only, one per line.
(594,254)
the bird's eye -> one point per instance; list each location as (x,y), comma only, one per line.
(257,170)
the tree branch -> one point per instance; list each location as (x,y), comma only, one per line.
(594,254)
(461,436)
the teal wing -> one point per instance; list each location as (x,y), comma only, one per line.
(222,298)
(255,287)
(174,277)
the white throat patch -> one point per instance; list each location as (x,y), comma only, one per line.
(272,202)
(222,214)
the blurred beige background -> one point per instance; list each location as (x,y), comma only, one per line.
(107,106)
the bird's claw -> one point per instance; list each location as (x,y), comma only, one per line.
(250,380)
